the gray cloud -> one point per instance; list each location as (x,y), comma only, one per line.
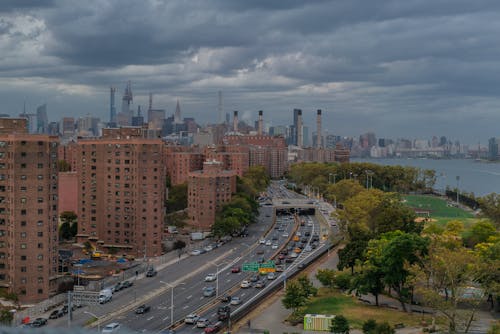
(414,68)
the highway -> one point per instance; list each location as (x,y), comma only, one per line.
(188,277)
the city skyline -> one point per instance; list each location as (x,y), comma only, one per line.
(399,70)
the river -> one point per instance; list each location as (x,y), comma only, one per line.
(478,177)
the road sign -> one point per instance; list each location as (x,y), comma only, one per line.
(251,266)
(269,264)
(266,270)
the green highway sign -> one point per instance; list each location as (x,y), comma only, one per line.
(251,266)
(269,264)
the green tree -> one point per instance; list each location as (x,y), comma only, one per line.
(370,280)
(384,328)
(69,227)
(490,207)
(392,215)
(307,287)
(354,250)
(394,253)
(343,190)
(343,281)
(179,244)
(369,326)
(480,232)
(326,277)
(177,198)
(294,296)
(225,226)
(340,325)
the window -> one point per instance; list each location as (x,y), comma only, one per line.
(23,269)
(39,268)
(40,199)
(23,165)
(40,211)
(39,223)
(40,245)
(23,177)
(39,166)
(23,235)
(23,257)
(23,280)
(23,200)
(23,246)
(39,234)
(23,212)
(23,222)
(40,279)
(40,257)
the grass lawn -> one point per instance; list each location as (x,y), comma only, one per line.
(334,302)
(438,208)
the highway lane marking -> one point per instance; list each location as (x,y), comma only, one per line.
(165,319)
(188,297)
(150,318)
(201,298)
(243,294)
(185,307)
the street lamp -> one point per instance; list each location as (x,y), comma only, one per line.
(458,191)
(335,201)
(171,300)
(217,277)
(95,316)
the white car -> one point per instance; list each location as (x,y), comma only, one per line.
(298,234)
(274,246)
(262,241)
(268,243)
(285,235)
(191,318)
(309,224)
(210,277)
(235,300)
(111,328)
(208,248)
(195,252)
(308,248)
(245,284)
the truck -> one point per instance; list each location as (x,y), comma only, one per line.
(223,312)
(105,296)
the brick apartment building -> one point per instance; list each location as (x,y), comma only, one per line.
(28,211)
(122,191)
(180,161)
(208,190)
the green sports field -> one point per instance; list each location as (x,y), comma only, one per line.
(437,208)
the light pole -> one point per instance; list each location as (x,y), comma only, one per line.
(458,191)
(95,316)
(171,300)
(329,177)
(334,201)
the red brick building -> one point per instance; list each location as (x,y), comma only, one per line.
(28,211)
(208,190)
(180,161)
(121,178)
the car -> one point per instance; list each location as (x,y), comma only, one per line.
(127,284)
(301,265)
(259,284)
(315,237)
(261,259)
(118,286)
(142,309)
(254,278)
(303,240)
(285,235)
(39,322)
(191,318)
(208,291)
(274,246)
(308,248)
(111,328)
(235,270)
(210,277)
(151,272)
(289,259)
(65,309)
(274,238)
(269,243)
(297,250)
(294,255)
(225,299)
(56,314)
(307,233)
(213,328)
(245,284)
(298,233)
(296,238)
(202,323)
(271,276)
(195,252)
(235,300)
(281,257)
(262,241)
(208,248)
(260,251)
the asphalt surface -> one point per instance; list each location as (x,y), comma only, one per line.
(187,276)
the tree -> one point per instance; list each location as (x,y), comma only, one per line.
(294,296)
(480,232)
(307,287)
(340,325)
(394,253)
(63,166)
(326,277)
(370,280)
(354,250)
(490,207)
(369,326)
(392,215)
(69,227)
(179,244)
(177,198)
(225,226)
(449,271)
(384,328)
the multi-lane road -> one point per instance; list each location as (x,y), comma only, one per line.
(265,240)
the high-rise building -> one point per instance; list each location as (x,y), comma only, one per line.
(42,120)
(208,190)
(28,211)
(493,149)
(125,116)
(112,107)
(122,191)
(177,115)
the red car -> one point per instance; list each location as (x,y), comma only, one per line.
(236,270)
(213,328)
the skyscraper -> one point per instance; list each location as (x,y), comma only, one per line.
(112,107)
(177,115)
(41,119)
(127,112)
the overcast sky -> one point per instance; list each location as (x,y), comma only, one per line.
(411,68)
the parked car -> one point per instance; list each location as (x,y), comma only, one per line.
(127,284)
(39,322)
(142,309)
(235,270)
(118,286)
(191,318)
(151,272)
(56,314)
(195,252)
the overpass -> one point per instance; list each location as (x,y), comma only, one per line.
(301,206)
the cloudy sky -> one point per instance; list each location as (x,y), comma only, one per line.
(412,68)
